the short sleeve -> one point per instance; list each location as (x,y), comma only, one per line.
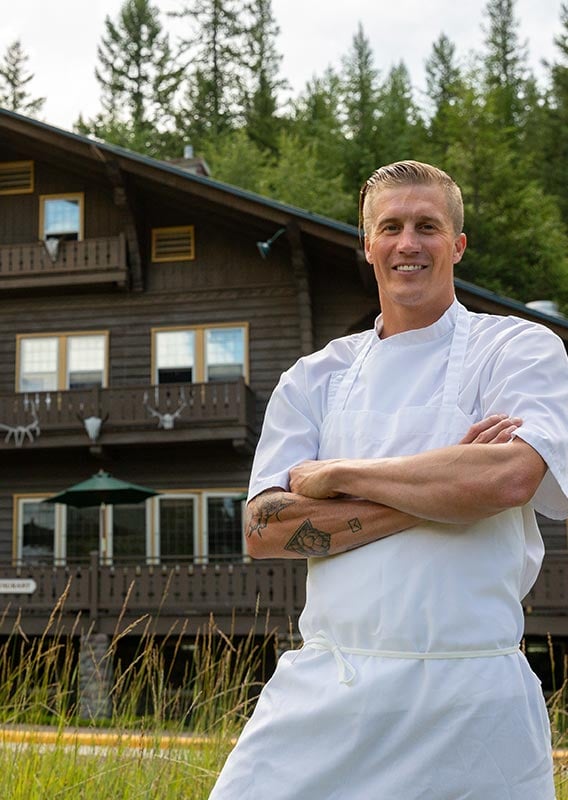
(529,379)
(290,434)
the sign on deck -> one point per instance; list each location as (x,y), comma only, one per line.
(17,586)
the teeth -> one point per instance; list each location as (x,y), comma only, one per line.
(408,267)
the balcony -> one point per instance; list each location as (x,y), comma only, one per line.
(241,595)
(167,413)
(88,262)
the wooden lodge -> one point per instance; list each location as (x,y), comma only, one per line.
(142,329)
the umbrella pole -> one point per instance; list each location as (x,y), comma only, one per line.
(103,533)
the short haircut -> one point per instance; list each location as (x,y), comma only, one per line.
(410,173)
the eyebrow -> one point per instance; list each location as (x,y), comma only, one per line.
(419,220)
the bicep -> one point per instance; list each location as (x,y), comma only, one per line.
(290,435)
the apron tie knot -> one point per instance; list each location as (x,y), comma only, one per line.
(322,641)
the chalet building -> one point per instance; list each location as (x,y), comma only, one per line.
(147,312)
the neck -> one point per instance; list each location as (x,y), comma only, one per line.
(399,319)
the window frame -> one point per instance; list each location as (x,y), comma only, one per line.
(200,364)
(62,357)
(80,196)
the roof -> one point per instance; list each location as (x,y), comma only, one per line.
(272,211)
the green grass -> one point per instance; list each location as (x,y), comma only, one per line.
(39,686)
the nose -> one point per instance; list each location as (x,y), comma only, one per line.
(408,240)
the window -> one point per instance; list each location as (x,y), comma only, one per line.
(223,526)
(177,527)
(16,177)
(198,354)
(82,532)
(61,361)
(61,217)
(173,244)
(35,522)
(175,356)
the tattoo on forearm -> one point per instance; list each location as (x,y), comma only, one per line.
(355,525)
(266,507)
(308,541)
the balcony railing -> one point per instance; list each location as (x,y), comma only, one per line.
(164,413)
(240,595)
(91,261)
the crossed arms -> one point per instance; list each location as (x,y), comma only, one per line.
(340,504)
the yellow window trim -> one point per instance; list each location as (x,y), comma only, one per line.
(199,331)
(62,337)
(160,237)
(80,196)
(14,169)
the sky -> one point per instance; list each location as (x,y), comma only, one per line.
(61,37)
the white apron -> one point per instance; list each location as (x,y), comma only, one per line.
(410,684)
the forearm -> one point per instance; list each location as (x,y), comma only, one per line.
(282,524)
(453,484)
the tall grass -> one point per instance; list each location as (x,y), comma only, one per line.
(186,730)
(198,718)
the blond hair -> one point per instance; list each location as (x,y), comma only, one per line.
(409,173)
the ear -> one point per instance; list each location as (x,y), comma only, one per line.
(460,244)
(368,255)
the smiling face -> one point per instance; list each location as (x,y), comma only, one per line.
(413,247)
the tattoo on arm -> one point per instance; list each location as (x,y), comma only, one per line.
(265,507)
(308,541)
(355,525)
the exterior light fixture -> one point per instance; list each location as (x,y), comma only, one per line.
(264,247)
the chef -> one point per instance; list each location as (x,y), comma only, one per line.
(406,463)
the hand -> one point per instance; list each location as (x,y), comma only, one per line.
(310,478)
(496,429)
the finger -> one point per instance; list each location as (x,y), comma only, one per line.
(479,427)
(490,435)
(487,430)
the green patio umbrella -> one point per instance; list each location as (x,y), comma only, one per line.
(102,490)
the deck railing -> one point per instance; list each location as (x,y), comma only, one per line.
(94,260)
(40,418)
(236,593)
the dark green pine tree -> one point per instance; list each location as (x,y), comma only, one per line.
(401,132)
(360,95)
(505,66)
(215,99)
(517,244)
(553,160)
(263,81)
(14,80)
(443,86)
(139,78)
(316,121)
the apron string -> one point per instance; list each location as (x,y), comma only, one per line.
(347,672)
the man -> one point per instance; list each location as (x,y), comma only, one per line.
(410,684)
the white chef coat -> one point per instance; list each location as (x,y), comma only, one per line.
(410,684)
